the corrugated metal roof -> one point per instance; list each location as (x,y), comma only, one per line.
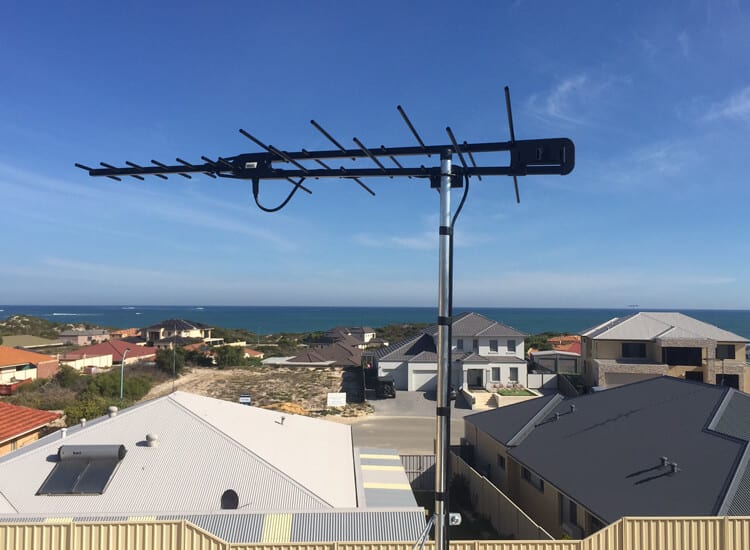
(206,446)
(333,526)
(607,452)
(383,478)
(733,419)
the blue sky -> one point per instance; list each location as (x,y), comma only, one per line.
(656,97)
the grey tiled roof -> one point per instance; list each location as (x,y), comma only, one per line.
(607,452)
(475,324)
(649,325)
(406,349)
(177,324)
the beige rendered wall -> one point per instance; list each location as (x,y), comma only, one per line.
(17,443)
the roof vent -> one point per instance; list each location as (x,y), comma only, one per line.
(63,433)
(664,462)
(572,409)
(673,469)
(83,422)
(152,440)
(230,500)
(112,411)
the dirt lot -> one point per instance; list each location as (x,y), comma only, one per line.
(290,388)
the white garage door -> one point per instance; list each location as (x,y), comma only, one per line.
(422,380)
(397,372)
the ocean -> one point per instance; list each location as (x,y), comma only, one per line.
(278,319)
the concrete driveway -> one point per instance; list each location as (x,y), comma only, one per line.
(406,423)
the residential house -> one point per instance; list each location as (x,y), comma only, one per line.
(29,342)
(117,348)
(559,362)
(331,355)
(361,335)
(649,344)
(253,354)
(170,342)
(484,353)
(20,426)
(119,334)
(84,337)
(176,327)
(18,365)
(86,361)
(243,473)
(659,447)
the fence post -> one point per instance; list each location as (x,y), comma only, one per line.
(71,536)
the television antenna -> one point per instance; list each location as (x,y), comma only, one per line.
(547,156)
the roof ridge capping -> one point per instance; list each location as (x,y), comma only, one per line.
(524,432)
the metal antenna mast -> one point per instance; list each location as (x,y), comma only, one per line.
(527,157)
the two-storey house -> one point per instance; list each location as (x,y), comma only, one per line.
(649,344)
(484,352)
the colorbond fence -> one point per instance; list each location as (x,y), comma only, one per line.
(665,533)
(505,516)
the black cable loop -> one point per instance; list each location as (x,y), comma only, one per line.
(256,189)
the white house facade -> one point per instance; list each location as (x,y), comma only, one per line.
(484,353)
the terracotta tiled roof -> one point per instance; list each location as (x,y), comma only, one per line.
(252,353)
(12,356)
(116,348)
(15,420)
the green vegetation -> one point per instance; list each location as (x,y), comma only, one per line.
(25,324)
(236,335)
(83,396)
(171,361)
(229,356)
(395,333)
(514,392)
(539,341)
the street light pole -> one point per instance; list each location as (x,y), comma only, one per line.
(122,369)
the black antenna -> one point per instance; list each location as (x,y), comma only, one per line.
(162,165)
(527,157)
(512,138)
(319,128)
(195,168)
(411,127)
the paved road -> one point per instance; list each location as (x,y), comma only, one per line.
(406,423)
(408,435)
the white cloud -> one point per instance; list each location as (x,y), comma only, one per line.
(573,100)
(735,107)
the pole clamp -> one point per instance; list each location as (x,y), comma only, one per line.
(444,321)
(443,411)
(446,230)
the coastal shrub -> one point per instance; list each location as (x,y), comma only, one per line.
(68,377)
(229,356)
(107,386)
(91,407)
(166,358)
(197,358)
(49,397)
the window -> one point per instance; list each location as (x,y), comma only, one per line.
(514,374)
(511,346)
(725,351)
(82,469)
(501,462)
(634,349)
(495,374)
(475,345)
(533,479)
(493,346)
(460,343)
